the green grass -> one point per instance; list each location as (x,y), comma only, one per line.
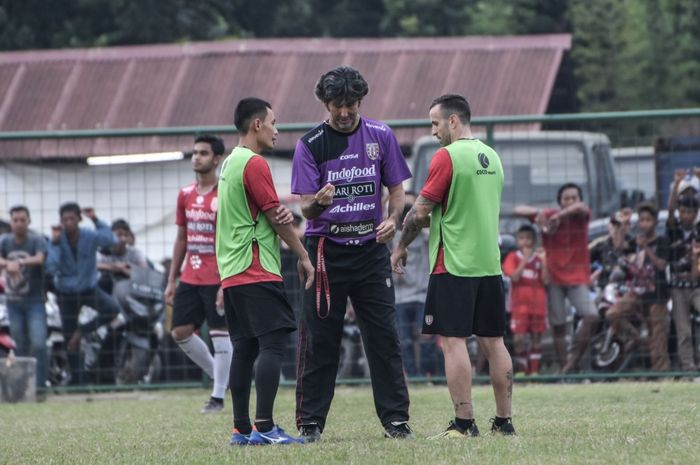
(617,423)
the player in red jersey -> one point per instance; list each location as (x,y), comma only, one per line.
(196,298)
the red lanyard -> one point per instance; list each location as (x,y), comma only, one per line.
(322,281)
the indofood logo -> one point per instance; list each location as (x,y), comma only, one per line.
(348,174)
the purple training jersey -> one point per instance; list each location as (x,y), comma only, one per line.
(357,164)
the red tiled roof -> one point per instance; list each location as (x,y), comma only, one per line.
(199,84)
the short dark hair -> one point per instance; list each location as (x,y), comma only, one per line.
(527,228)
(121,224)
(649,208)
(69,207)
(216,144)
(454,104)
(686,201)
(19,208)
(247,110)
(568,185)
(343,85)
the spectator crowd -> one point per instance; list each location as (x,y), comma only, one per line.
(640,280)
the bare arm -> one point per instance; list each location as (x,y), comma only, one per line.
(659,263)
(35,260)
(417,218)
(695,268)
(578,208)
(388,227)
(546,277)
(517,273)
(525,211)
(678,176)
(179,252)
(313,206)
(288,235)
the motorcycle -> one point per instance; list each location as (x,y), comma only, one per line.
(607,347)
(141,298)
(136,359)
(612,352)
(58,369)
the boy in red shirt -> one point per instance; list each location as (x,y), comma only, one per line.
(528,274)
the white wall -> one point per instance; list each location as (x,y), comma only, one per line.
(143,194)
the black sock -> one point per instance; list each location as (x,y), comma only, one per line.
(463,424)
(498,421)
(243,425)
(264,426)
(267,371)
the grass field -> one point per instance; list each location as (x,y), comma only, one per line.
(616,423)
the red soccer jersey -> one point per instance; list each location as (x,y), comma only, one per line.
(567,250)
(262,196)
(437,189)
(528,294)
(197,214)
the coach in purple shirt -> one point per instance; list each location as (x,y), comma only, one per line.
(339,169)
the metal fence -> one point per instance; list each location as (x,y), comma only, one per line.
(617,158)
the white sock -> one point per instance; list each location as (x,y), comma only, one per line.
(198,352)
(223,351)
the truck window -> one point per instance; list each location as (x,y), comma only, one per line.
(605,179)
(534,171)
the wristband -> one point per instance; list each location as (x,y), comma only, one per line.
(316,204)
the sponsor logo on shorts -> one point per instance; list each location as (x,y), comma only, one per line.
(388,282)
(428,320)
(351,191)
(355,229)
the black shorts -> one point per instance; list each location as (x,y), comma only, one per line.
(195,304)
(256,309)
(459,307)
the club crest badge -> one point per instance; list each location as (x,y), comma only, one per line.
(428,320)
(372,150)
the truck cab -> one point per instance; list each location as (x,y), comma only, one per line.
(536,163)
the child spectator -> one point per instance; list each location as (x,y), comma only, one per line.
(527,271)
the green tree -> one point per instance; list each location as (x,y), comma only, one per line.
(597,48)
(684,67)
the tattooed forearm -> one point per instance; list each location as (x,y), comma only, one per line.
(411,228)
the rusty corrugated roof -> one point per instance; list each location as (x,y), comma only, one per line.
(199,84)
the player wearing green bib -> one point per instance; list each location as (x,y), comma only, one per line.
(460,202)
(258,314)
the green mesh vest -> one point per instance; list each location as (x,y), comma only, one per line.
(468,228)
(236,230)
